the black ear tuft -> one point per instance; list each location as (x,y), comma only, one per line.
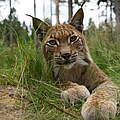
(77,20)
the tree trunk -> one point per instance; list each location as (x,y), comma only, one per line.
(116,4)
(35,8)
(70,9)
(57,12)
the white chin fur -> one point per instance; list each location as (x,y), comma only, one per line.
(81,62)
(69,66)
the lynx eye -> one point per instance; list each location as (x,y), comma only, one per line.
(73,39)
(52,42)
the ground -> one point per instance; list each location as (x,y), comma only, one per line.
(11,103)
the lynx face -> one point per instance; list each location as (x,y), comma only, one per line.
(64,46)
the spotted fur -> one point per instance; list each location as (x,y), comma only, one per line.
(79,77)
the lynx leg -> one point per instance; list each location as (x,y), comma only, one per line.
(75,94)
(101,105)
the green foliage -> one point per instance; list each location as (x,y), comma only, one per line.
(105,48)
(25,67)
(11,29)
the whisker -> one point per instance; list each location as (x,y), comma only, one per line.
(57,58)
(73,55)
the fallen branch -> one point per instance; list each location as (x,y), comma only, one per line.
(71,113)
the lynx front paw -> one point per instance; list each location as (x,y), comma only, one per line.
(75,94)
(98,109)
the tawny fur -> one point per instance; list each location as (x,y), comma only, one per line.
(81,76)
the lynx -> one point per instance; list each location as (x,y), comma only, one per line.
(79,78)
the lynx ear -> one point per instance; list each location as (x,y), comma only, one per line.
(41,29)
(40,26)
(77,20)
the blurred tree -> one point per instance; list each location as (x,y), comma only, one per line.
(10,5)
(116,7)
(12,30)
(35,8)
(57,2)
(70,9)
(99,1)
(70,6)
(2,0)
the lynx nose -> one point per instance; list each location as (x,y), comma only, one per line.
(66,56)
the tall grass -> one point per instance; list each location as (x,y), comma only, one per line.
(104,44)
(26,68)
